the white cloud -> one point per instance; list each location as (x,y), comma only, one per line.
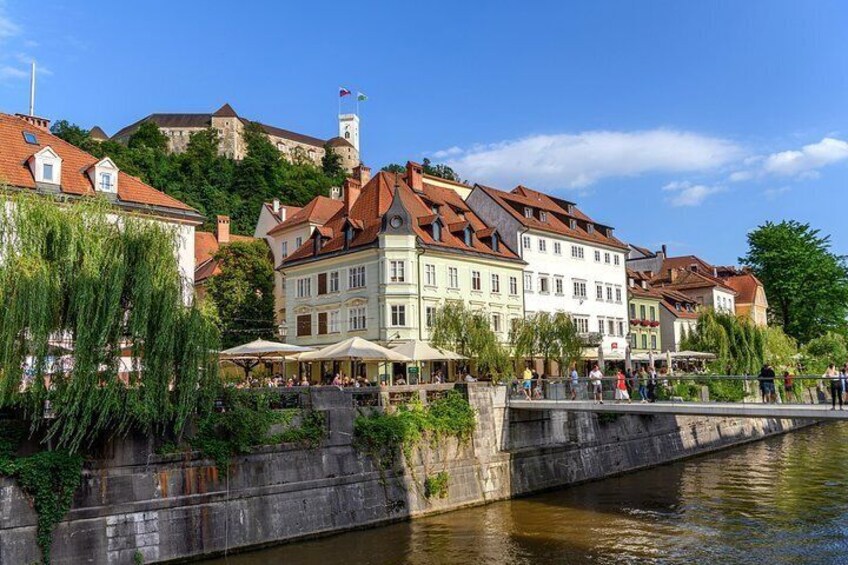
(799,163)
(579,160)
(10,72)
(772,193)
(685,193)
(8,28)
(449,152)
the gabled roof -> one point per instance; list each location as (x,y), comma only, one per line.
(690,272)
(375,199)
(188,120)
(205,247)
(98,134)
(290,210)
(636,290)
(671,297)
(559,213)
(15,151)
(745,285)
(317,211)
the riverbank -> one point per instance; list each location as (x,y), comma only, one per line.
(135,505)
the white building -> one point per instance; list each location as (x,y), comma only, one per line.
(31,158)
(574,264)
(398,249)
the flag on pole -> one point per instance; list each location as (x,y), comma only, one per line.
(343,92)
(360,97)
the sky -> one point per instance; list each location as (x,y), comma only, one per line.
(679,123)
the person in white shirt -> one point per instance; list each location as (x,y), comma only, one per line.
(596,377)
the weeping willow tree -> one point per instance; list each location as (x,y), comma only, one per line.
(739,345)
(102,288)
(549,337)
(469,333)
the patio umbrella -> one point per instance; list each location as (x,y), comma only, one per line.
(420,351)
(354,349)
(248,355)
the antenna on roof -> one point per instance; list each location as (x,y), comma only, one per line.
(32,90)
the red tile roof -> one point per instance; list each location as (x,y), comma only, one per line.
(317,211)
(290,210)
(15,151)
(745,285)
(374,201)
(205,247)
(559,213)
(670,299)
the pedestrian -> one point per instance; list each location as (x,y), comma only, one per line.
(789,386)
(652,385)
(596,377)
(766,378)
(527,382)
(832,375)
(575,381)
(621,388)
(643,385)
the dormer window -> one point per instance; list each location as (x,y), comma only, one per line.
(46,166)
(590,228)
(104,176)
(528,212)
(467,236)
(543,216)
(572,223)
(496,242)
(437,231)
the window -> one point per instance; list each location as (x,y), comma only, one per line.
(620,328)
(496,284)
(397,271)
(528,212)
(453,277)
(599,291)
(322,323)
(30,138)
(616,259)
(429,315)
(298,241)
(304,287)
(106,181)
(606,258)
(476,283)
(543,216)
(579,289)
(543,245)
(609,293)
(653,341)
(356,319)
(611,326)
(335,319)
(334,281)
(430,275)
(653,314)
(322,283)
(558,285)
(496,323)
(601,326)
(633,341)
(467,233)
(496,243)
(644,341)
(642,311)
(618,294)
(356,277)
(557,248)
(632,311)
(513,286)
(582,324)
(47,172)
(398,315)
(544,284)
(284,249)
(437,231)
(528,282)
(304,325)
(598,256)
(525,241)
(577,251)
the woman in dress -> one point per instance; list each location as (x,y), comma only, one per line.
(621,388)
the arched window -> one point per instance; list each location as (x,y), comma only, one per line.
(347,135)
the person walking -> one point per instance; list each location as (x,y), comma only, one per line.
(596,378)
(789,386)
(766,378)
(621,388)
(643,384)
(652,385)
(527,382)
(832,375)
(575,381)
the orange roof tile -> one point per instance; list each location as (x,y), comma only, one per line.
(15,151)
(205,247)
(317,211)
(745,285)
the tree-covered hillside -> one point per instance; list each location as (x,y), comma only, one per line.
(211,183)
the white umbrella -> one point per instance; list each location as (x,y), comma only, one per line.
(354,349)
(251,354)
(420,351)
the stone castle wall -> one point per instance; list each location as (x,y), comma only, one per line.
(178,507)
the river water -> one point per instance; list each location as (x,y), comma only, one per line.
(782,500)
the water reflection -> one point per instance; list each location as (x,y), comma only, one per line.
(779,501)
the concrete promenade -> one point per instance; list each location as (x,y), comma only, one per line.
(717,409)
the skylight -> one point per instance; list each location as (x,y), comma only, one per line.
(30,138)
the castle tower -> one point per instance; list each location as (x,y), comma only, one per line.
(349,129)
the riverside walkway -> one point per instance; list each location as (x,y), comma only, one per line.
(718,409)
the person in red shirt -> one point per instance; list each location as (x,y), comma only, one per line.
(621,388)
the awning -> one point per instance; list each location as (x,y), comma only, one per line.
(421,351)
(354,349)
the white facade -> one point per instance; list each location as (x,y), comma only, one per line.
(583,279)
(349,129)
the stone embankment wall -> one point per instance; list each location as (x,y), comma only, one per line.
(166,508)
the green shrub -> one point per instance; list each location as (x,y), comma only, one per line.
(436,486)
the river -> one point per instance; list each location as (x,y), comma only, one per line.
(779,501)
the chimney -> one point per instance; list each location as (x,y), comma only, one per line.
(664,251)
(40,123)
(352,188)
(672,275)
(414,176)
(362,173)
(222,230)
(276,205)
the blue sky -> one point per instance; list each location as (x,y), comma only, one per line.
(686,123)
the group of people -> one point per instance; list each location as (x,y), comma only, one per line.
(626,385)
(838,380)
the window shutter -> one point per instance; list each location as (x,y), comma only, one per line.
(304,325)
(322,321)
(322,283)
